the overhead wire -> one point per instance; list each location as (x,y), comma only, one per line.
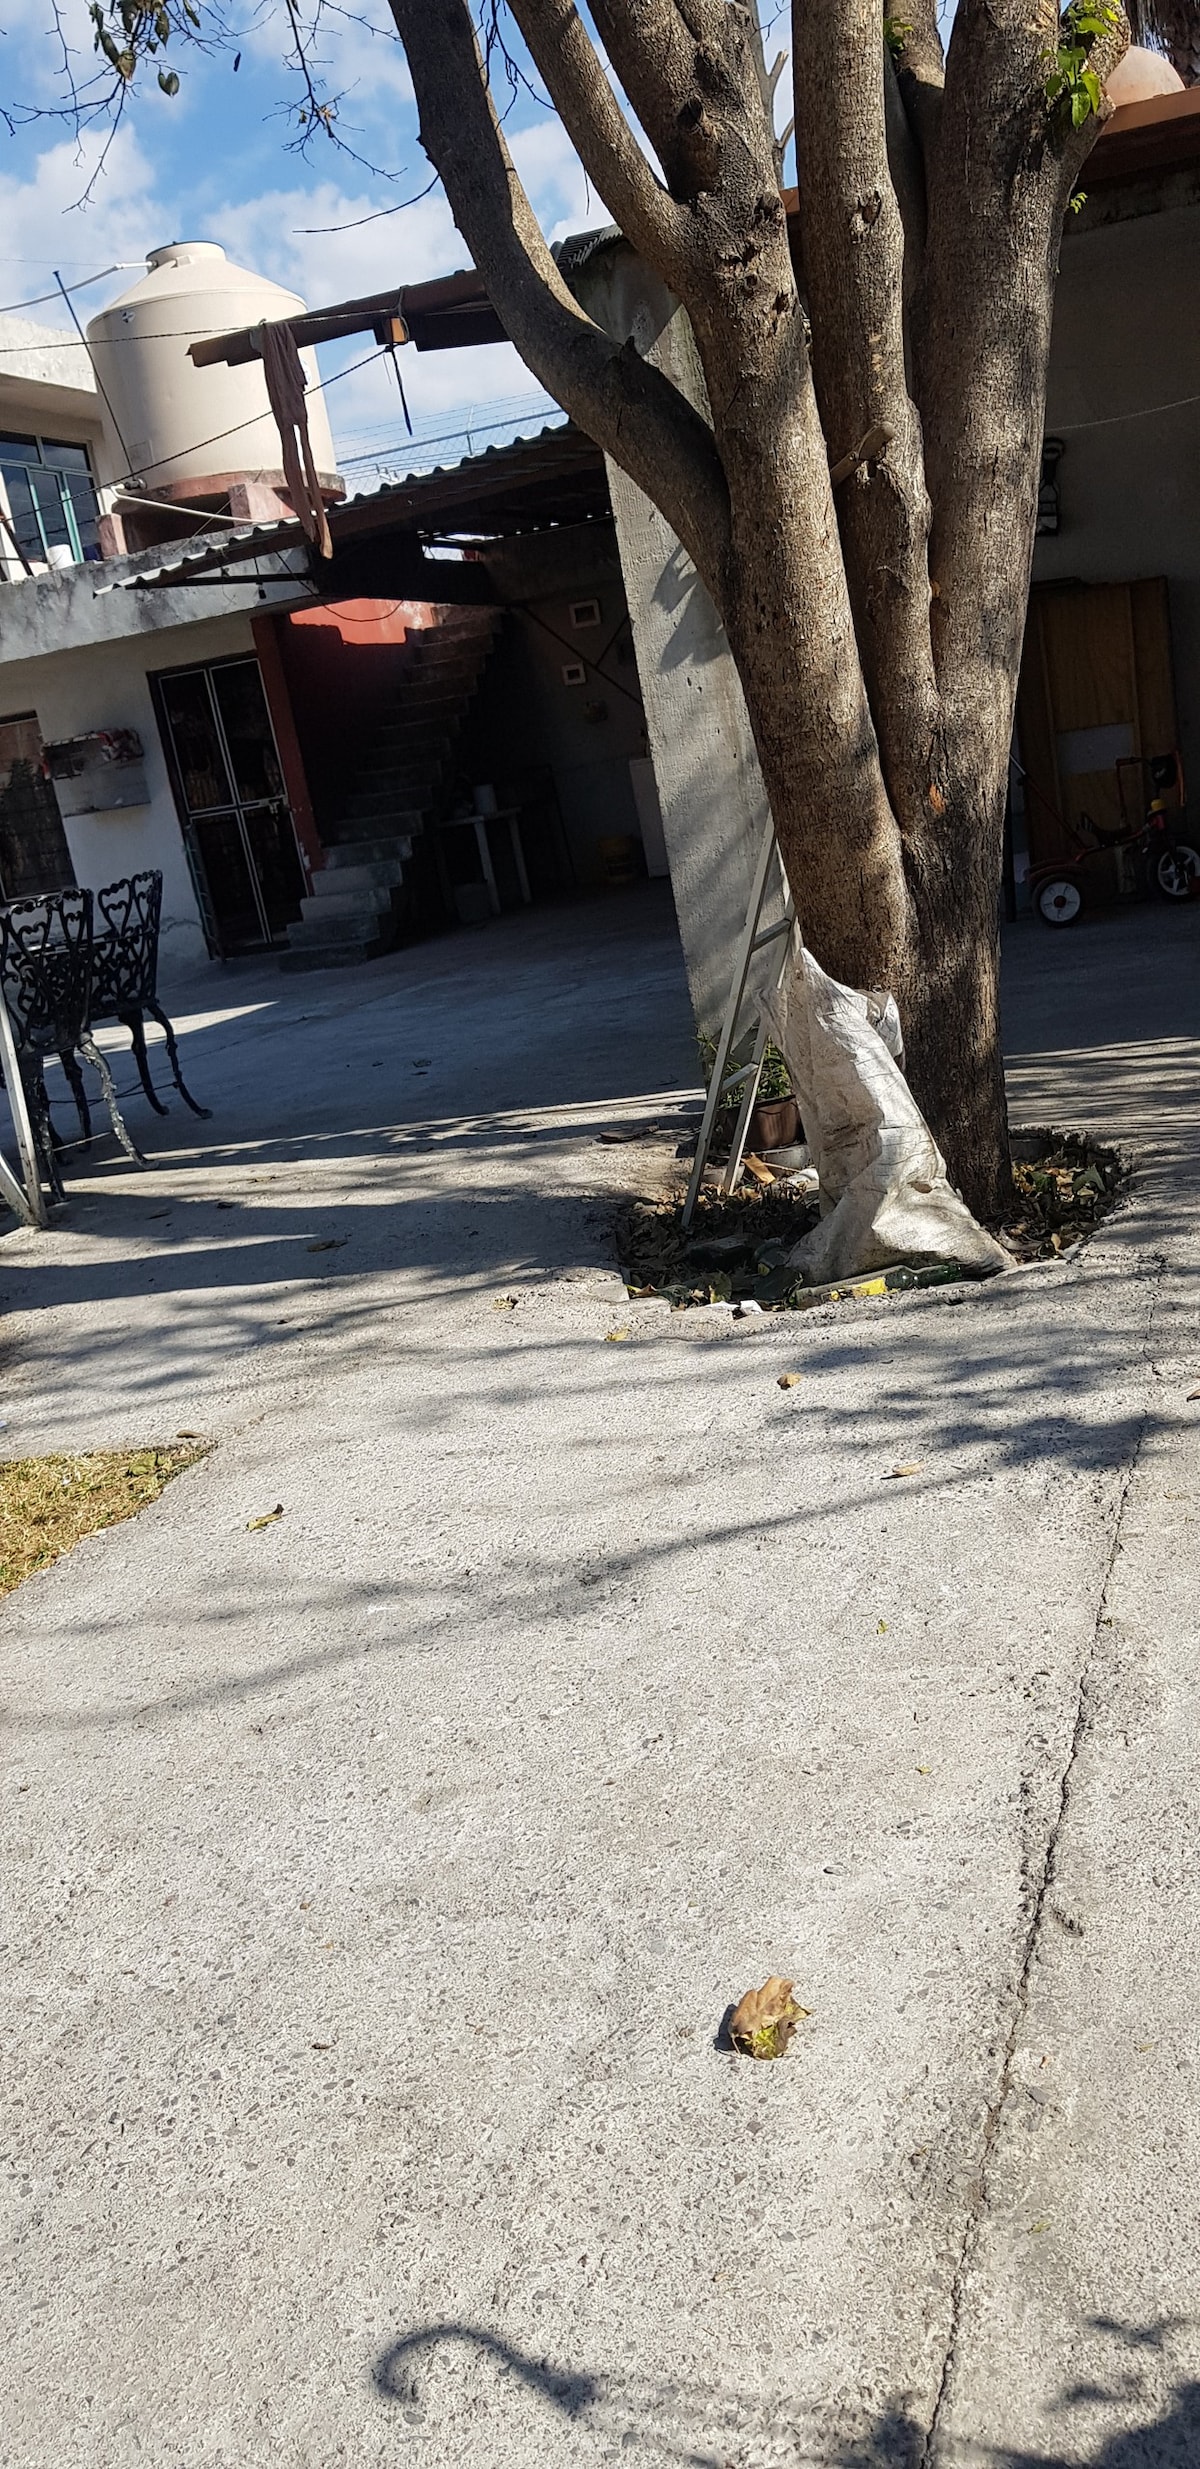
(177,334)
(447,437)
(124,265)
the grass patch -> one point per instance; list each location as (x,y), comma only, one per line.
(48,1504)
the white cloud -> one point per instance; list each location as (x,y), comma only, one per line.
(329,244)
(45,224)
(273,234)
(554,178)
(319,239)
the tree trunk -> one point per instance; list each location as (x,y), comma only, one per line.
(874,610)
(951,1005)
(915,914)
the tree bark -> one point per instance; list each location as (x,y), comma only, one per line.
(876,627)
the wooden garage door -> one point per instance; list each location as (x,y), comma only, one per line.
(1096,686)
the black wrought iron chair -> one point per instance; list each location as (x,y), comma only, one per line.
(46,965)
(125,983)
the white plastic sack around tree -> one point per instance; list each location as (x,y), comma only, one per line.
(885,1193)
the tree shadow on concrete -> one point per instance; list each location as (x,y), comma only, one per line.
(717,2427)
(698,2426)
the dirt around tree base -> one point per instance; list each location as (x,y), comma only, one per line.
(1065,1182)
(736,1249)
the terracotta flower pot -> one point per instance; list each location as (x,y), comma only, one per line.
(774,1124)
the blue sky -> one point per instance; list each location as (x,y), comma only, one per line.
(218,163)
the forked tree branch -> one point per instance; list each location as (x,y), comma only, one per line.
(852,240)
(601,135)
(921,71)
(675,67)
(628,406)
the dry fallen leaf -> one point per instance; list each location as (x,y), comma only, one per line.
(763,2021)
(332,1243)
(617,1337)
(254,1523)
(1193,1394)
(912,1468)
(505,1303)
(181,1434)
(790,1380)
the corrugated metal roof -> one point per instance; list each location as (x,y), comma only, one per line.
(554,476)
(203,552)
(514,450)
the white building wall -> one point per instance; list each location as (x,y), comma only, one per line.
(106,686)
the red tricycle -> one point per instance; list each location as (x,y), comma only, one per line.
(1162,860)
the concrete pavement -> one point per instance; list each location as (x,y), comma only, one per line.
(375,1882)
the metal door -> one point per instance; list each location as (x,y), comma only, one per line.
(237,825)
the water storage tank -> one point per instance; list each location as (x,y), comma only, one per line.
(1142,75)
(188,431)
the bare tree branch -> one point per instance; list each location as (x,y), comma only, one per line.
(921,70)
(601,135)
(852,241)
(907,166)
(682,80)
(630,408)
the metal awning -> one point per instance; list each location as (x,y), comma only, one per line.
(184,561)
(532,484)
(535,484)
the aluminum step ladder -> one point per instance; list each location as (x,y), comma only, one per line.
(754,938)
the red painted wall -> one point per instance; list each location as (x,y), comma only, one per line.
(342,666)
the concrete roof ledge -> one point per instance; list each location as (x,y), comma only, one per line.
(57,612)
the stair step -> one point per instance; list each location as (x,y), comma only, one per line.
(356,927)
(443,672)
(393,794)
(405,766)
(418,725)
(382,807)
(378,874)
(465,625)
(371,904)
(386,847)
(332,955)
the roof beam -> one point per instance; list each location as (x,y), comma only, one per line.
(451,311)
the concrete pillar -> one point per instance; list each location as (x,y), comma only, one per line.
(255,501)
(710,788)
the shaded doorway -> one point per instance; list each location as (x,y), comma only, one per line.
(228,784)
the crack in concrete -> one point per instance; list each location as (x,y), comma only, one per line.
(1040,1882)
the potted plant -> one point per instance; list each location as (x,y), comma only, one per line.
(775,1119)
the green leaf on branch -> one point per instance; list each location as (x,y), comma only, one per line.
(1072,89)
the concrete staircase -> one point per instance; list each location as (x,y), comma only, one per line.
(367,893)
